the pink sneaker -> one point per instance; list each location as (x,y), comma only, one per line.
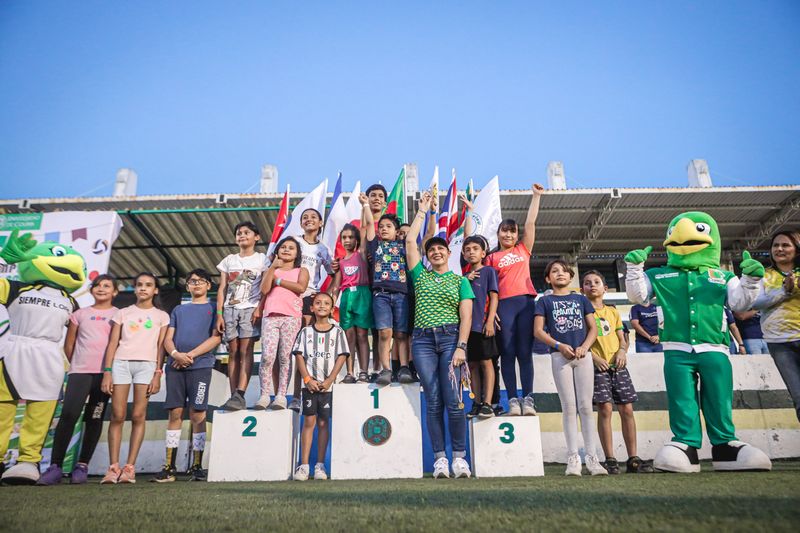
(112,475)
(128,474)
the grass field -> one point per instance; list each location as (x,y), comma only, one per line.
(706,501)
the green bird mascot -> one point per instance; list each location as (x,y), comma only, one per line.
(692,292)
(32,362)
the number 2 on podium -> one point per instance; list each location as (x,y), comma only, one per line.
(508,432)
(249,431)
(374,395)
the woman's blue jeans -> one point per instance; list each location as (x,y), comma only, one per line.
(433,350)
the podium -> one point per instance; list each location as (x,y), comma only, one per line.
(506,446)
(376,432)
(253,445)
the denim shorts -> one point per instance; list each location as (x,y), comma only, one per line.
(239,324)
(390,311)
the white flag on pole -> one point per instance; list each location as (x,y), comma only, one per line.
(486,217)
(313,200)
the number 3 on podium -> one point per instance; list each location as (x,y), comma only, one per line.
(250,422)
(508,432)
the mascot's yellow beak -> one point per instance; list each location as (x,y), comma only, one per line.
(66,270)
(688,237)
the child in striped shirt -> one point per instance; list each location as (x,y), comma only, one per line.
(320,350)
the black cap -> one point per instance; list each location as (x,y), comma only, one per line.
(435,240)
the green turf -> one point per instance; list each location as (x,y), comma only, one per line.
(706,501)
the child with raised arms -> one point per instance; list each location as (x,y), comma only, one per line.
(570,333)
(516,305)
(134,356)
(85,347)
(320,350)
(237,299)
(190,341)
(612,382)
(351,282)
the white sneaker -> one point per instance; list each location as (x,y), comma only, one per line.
(262,403)
(594,466)
(528,408)
(514,408)
(573,465)
(461,468)
(278,403)
(294,405)
(319,471)
(441,468)
(301,474)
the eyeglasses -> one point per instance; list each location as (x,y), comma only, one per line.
(194,281)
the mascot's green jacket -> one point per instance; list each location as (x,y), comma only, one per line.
(32,361)
(692,293)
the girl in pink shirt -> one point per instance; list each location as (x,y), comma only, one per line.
(355,307)
(85,347)
(282,308)
(515,309)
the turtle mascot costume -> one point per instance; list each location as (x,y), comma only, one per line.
(32,362)
(692,292)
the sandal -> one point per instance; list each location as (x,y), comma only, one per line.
(363,377)
(349,379)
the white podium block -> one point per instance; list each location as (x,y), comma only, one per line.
(376,432)
(506,446)
(253,445)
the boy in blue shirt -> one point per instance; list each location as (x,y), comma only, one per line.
(644,319)
(191,339)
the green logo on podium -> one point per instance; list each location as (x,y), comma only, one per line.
(376,430)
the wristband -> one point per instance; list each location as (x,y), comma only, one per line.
(306,379)
(556,346)
(277,282)
(173,352)
(107,369)
(219,312)
(432,211)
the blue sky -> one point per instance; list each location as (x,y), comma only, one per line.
(196,96)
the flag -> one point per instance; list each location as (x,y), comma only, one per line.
(486,217)
(336,219)
(448,214)
(396,203)
(353,206)
(470,193)
(280,222)
(313,200)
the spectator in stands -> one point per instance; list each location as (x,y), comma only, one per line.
(644,319)
(237,298)
(320,352)
(442,323)
(779,302)
(737,344)
(749,324)
(516,306)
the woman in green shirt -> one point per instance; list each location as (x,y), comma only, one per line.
(442,320)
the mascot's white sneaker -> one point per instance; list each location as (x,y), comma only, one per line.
(21,474)
(677,457)
(737,455)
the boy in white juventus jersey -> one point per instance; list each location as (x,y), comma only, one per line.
(320,350)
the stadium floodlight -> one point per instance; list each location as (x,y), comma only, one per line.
(699,176)
(126,182)
(269,179)
(556,179)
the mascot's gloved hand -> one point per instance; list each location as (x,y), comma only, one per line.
(17,248)
(637,257)
(751,267)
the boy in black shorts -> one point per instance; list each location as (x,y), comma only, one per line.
(320,351)
(190,342)
(612,382)
(481,347)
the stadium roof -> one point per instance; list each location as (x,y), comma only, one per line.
(172,234)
